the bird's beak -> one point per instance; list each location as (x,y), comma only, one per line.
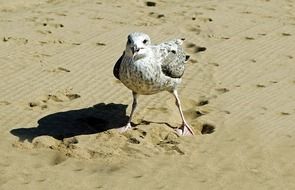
(134,49)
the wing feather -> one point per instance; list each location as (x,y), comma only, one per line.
(116,69)
(173,59)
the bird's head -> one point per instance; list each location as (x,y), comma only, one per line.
(137,44)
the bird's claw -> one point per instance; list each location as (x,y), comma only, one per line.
(185,130)
(125,128)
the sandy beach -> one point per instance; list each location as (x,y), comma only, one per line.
(60,104)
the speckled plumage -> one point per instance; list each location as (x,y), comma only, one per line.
(160,70)
(148,69)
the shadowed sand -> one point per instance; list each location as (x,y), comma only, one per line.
(96,119)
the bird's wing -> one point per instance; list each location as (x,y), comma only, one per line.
(116,69)
(172,58)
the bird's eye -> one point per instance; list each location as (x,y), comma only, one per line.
(145,41)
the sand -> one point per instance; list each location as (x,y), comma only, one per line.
(59,102)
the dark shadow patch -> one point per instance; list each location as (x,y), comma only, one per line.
(203,102)
(100,44)
(133,140)
(199,49)
(285,113)
(207,129)
(63,69)
(150,4)
(260,86)
(195,48)
(5,103)
(249,38)
(73,96)
(99,118)
(161,16)
(286,34)
(290,56)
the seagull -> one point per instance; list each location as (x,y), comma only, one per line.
(148,69)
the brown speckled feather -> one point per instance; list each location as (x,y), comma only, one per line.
(173,59)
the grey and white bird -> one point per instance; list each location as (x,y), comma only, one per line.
(148,69)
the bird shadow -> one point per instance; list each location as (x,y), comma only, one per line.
(95,119)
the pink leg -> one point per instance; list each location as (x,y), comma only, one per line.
(134,104)
(185,129)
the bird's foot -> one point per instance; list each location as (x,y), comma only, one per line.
(125,128)
(185,130)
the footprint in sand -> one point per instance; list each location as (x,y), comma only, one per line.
(150,4)
(286,34)
(61,14)
(73,96)
(156,15)
(55,25)
(194,48)
(195,15)
(76,43)
(249,38)
(58,159)
(4,103)
(44,32)
(100,44)
(17,40)
(222,90)
(285,113)
(161,109)
(264,85)
(253,60)
(40,105)
(210,8)
(171,143)
(59,70)
(192,113)
(63,69)
(290,56)
(61,97)
(96,18)
(226,111)
(197,111)
(273,82)
(170,147)
(58,25)
(246,12)
(196,30)
(207,129)
(260,86)
(47,27)
(225,38)
(214,64)
(55,41)
(192,61)
(136,136)
(203,102)
(205,19)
